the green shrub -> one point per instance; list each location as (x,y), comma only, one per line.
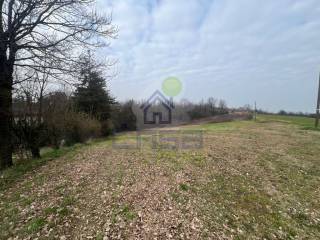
(79,127)
(69,127)
(107,127)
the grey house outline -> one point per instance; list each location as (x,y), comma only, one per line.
(157,95)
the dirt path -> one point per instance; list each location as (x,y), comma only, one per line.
(259,181)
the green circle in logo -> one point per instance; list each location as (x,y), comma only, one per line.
(171,86)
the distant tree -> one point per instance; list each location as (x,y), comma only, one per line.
(28,124)
(123,118)
(57,106)
(91,96)
(63,124)
(27,112)
(282,112)
(210,107)
(247,108)
(222,105)
(212,102)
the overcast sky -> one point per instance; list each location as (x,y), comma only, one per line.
(237,50)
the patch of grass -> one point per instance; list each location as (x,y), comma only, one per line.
(183,187)
(14,173)
(125,211)
(179,197)
(295,174)
(195,158)
(35,225)
(50,210)
(61,188)
(63,211)
(40,179)
(68,201)
(177,161)
(128,213)
(237,203)
(9,215)
(225,126)
(99,236)
(125,141)
(304,122)
(26,201)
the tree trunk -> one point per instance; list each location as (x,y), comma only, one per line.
(5,112)
(35,151)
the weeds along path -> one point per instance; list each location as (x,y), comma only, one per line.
(250,181)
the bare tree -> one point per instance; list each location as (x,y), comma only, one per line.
(28,121)
(34,30)
(212,102)
(222,105)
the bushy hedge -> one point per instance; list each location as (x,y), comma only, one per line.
(71,127)
(79,127)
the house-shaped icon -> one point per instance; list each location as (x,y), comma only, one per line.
(157,107)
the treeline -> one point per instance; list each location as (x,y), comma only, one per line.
(46,117)
(296,114)
(202,109)
(57,118)
(43,116)
(286,113)
(126,114)
(41,41)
